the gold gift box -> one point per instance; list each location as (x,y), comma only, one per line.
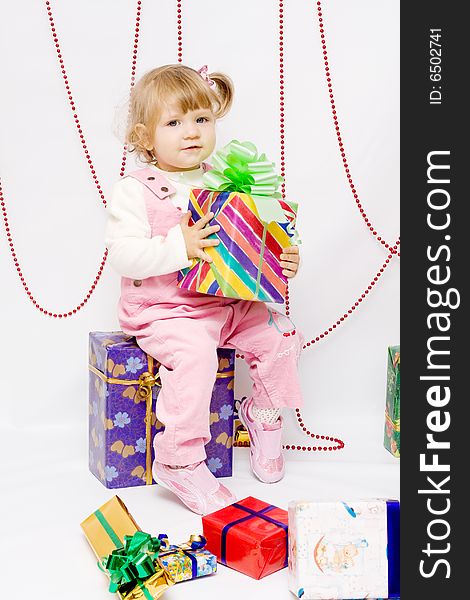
(105,530)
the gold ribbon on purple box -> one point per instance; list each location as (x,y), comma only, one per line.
(145,382)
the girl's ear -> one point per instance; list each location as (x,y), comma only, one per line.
(143,136)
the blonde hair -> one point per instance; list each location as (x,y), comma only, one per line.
(175,83)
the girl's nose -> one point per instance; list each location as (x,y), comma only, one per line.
(191,131)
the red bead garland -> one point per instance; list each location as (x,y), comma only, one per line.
(339,444)
(353,306)
(180,30)
(350,311)
(65,314)
(281,119)
(392,249)
(282,97)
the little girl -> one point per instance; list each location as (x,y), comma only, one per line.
(172,129)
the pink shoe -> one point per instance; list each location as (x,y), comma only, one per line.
(266,457)
(195,486)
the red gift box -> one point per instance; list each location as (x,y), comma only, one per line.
(249,536)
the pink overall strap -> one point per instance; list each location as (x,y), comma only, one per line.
(157,188)
(156,183)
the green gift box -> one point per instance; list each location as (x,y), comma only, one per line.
(392,406)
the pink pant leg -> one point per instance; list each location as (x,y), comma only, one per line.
(187,351)
(271,346)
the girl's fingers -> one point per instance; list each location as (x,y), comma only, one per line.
(204,256)
(288,265)
(207,243)
(288,273)
(291,250)
(208,231)
(204,220)
(293,258)
(185,218)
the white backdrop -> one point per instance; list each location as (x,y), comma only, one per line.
(58,220)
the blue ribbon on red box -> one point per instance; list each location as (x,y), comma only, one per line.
(252,513)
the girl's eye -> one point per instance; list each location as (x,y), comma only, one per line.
(172,123)
(202,120)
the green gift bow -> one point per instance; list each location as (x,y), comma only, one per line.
(238,168)
(133,562)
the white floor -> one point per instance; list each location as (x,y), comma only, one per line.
(45,497)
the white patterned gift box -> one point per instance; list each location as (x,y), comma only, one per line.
(344,549)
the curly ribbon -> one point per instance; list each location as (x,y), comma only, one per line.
(195,542)
(133,563)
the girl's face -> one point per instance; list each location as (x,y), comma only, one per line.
(182,141)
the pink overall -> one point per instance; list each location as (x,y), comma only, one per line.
(183,329)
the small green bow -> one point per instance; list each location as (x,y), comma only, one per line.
(133,562)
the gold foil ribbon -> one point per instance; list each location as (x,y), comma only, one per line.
(146,382)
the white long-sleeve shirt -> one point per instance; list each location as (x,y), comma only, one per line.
(132,252)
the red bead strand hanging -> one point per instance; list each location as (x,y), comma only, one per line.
(353,307)
(180,30)
(282,121)
(281,96)
(338,444)
(135,48)
(393,249)
(16,262)
(91,166)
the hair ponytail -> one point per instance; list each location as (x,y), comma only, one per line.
(224,91)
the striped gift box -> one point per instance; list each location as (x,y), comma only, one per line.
(246,263)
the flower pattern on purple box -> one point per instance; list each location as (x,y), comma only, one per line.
(117,431)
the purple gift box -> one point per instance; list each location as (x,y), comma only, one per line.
(124,387)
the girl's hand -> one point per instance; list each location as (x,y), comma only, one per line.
(290,261)
(194,237)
